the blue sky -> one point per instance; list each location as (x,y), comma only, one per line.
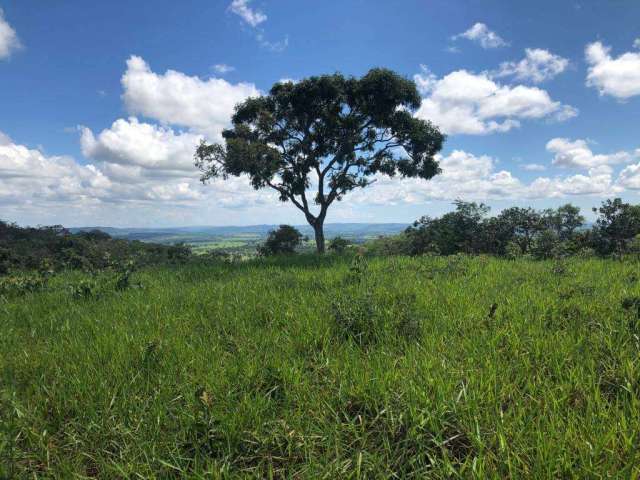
(101,103)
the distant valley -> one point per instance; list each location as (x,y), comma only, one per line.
(242,239)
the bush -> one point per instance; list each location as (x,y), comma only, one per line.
(338,244)
(30,248)
(385,246)
(355,319)
(22,284)
(285,240)
(513,251)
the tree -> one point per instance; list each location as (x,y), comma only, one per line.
(454,232)
(284,240)
(564,221)
(523,223)
(617,224)
(329,132)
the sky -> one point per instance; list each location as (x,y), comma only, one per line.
(103,103)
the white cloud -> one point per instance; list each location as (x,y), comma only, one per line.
(534,167)
(630,177)
(129,143)
(204,106)
(222,68)
(28,176)
(5,139)
(248,14)
(472,177)
(576,153)
(254,18)
(618,77)
(537,66)
(9,41)
(481,34)
(121,186)
(464,175)
(464,102)
(598,181)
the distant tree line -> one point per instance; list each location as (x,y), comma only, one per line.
(515,231)
(55,248)
(519,231)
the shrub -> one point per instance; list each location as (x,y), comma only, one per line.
(392,245)
(513,250)
(367,317)
(20,285)
(284,240)
(357,269)
(338,244)
(355,319)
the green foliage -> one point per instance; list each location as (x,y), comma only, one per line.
(50,249)
(338,245)
(547,244)
(344,130)
(552,233)
(454,232)
(288,367)
(285,240)
(389,245)
(22,284)
(617,224)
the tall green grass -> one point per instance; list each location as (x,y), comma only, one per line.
(327,367)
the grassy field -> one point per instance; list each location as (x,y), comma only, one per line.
(327,368)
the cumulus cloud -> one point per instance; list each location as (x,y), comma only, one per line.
(576,153)
(9,41)
(204,106)
(130,143)
(246,13)
(598,181)
(537,66)
(476,177)
(629,177)
(120,186)
(464,175)
(28,176)
(618,77)
(481,34)
(636,43)
(464,102)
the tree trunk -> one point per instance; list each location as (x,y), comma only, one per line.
(318,227)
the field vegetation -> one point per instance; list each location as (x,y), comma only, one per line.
(469,346)
(337,367)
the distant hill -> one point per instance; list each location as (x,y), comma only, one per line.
(205,234)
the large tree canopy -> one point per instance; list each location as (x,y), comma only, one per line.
(330,133)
